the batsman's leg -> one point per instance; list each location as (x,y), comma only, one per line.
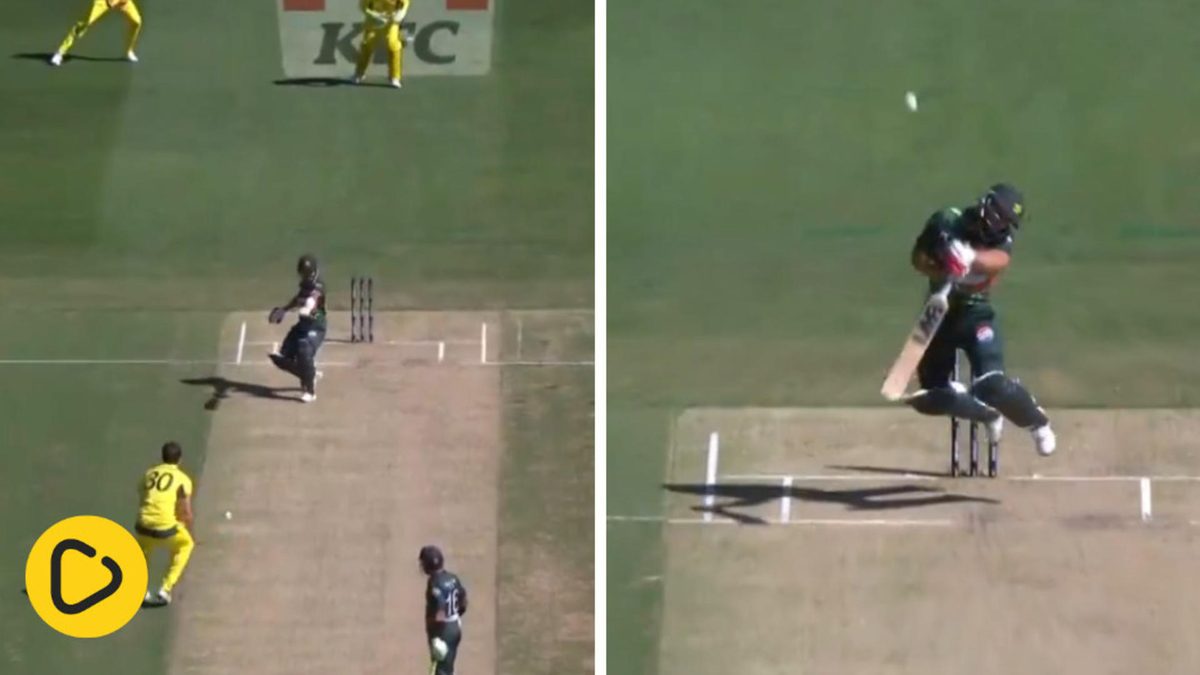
(306,360)
(285,359)
(182,546)
(135,28)
(99,7)
(452,635)
(993,387)
(395,54)
(939,393)
(369,39)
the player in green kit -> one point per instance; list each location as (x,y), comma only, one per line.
(298,353)
(971,247)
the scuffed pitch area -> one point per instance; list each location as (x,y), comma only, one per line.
(316,570)
(836,545)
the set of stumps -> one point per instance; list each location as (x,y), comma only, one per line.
(362,309)
(993,466)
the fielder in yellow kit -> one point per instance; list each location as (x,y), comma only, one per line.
(99,9)
(165,517)
(383,21)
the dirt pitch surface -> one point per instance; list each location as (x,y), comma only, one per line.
(316,570)
(831,542)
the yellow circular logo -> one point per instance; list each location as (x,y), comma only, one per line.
(86,576)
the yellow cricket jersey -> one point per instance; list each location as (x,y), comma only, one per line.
(159,495)
(388,6)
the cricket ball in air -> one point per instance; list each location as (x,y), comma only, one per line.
(910,100)
(228,515)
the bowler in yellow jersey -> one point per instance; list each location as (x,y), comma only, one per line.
(99,9)
(383,21)
(165,517)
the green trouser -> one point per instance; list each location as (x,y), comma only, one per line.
(450,633)
(967,327)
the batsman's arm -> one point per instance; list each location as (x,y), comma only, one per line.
(306,309)
(925,264)
(991,261)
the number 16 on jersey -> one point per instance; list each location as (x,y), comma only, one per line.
(918,341)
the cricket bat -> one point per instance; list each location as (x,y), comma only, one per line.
(918,340)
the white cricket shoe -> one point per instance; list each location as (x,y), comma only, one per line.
(395,83)
(1043,438)
(356,79)
(308,397)
(131,57)
(56,59)
(995,428)
(163,597)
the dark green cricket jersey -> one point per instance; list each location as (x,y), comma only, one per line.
(972,289)
(447,593)
(310,288)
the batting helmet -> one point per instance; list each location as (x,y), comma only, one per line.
(1000,212)
(431,559)
(306,266)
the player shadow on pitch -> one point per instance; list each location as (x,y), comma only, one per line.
(888,470)
(222,387)
(747,495)
(45,57)
(324,82)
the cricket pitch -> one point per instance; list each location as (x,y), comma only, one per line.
(316,570)
(831,542)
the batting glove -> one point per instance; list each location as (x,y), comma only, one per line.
(958,259)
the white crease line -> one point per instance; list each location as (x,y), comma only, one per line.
(535,363)
(483,342)
(441,352)
(710,475)
(785,504)
(827,522)
(241,343)
(520,336)
(396,343)
(830,477)
(148,362)
(978,481)
(1145,482)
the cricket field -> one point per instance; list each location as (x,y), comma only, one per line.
(767,513)
(154,212)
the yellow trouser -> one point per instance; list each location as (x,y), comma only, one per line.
(371,35)
(99,9)
(181,545)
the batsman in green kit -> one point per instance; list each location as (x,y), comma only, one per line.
(971,247)
(445,605)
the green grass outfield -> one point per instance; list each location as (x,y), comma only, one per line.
(142,204)
(766,182)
